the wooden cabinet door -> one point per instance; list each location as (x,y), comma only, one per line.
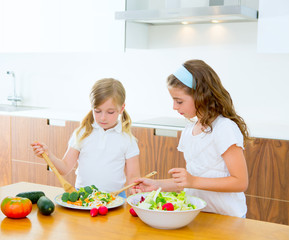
(5,150)
(157,153)
(25,165)
(268,190)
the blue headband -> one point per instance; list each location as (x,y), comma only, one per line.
(185,77)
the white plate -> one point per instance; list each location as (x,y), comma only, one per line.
(115,203)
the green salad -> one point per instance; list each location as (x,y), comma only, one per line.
(166,201)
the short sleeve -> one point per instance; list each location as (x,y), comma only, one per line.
(226,134)
(73,143)
(181,146)
(132,149)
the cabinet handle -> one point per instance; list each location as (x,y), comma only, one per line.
(165,132)
(56,122)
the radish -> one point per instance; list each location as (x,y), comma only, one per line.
(93,212)
(102,210)
(132,212)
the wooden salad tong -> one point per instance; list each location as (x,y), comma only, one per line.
(66,185)
(133,184)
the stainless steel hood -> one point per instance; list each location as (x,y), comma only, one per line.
(221,13)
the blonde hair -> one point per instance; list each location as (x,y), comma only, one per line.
(210,97)
(101,91)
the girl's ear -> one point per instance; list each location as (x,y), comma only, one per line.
(122,108)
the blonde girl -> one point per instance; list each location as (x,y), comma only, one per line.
(213,144)
(103,146)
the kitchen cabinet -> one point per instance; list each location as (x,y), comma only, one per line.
(25,165)
(5,150)
(268,191)
(274,18)
(158,153)
(60,26)
(267,161)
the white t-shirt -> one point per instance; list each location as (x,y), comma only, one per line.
(203,158)
(102,157)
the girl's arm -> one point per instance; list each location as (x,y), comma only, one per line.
(65,165)
(236,182)
(132,170)
(148,185)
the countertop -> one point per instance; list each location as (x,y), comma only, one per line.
(65,223)
(256,129)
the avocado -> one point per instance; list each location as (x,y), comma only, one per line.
(45,205)
(33,195)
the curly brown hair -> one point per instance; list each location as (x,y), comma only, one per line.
(210,97)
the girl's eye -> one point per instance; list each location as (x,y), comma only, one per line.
(179,102)
(110,112)
(97,111)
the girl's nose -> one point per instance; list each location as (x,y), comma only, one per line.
(175,106)
(102,117)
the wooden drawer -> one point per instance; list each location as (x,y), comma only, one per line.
(37,173)
(5,150)
(270,210)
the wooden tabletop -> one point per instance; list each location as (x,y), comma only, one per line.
(72,224)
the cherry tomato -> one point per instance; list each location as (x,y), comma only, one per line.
(16,207)
(168,207)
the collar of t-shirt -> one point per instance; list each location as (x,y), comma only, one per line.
(117,128)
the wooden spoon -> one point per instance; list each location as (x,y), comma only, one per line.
(66,185)
(133,184)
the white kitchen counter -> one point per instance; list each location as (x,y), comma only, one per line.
(261,130)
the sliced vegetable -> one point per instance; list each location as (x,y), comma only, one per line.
(168,207)
(167,201)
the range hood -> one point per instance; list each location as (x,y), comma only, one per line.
(188,15)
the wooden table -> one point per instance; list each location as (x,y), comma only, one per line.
(71,224)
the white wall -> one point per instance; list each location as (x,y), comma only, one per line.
(258,83)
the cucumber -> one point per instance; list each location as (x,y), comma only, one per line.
(45,205)
(33,195)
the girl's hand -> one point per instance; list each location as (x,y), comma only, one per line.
(146,185)
(181,177)
(39,149)
(134,190)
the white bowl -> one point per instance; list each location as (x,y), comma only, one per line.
(166,219)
